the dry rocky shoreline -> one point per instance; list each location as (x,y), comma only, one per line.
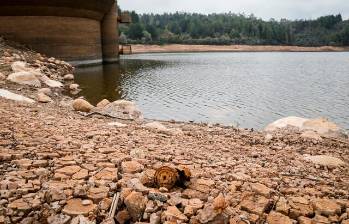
(179,48)
(64,160)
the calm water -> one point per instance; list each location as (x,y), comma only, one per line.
(245,89)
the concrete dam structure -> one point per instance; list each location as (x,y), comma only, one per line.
(78,31)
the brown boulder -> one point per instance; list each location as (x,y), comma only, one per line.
(82,105)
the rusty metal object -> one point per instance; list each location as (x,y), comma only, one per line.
(169,177)
(166,177)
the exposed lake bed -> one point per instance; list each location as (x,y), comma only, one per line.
(64,159)
(241,89)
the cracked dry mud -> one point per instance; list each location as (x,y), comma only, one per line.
(57,165)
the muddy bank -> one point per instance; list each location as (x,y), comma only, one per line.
(178,48)
(59,165)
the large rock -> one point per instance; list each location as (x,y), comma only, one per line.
(285,122)
(12,96)
(325,160)
(49,82)
(24,78)
(135,204)
(76,207)
(322,126)
(82,105)
(20,66)
(122,109)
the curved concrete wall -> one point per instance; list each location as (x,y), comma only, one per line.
(79,31)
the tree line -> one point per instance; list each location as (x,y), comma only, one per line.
(230,28)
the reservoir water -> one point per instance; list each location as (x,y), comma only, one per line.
(241,89)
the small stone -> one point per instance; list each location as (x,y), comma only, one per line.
(135,203)
(219,203)
(136,185)
(103,103)
(157,196)
(68,77)
(82,105)
(208,214)
(97,194)
(108,173)
(131,167)
(42,98)
(321,219)
(261,189)
(304,220)
(58,219)
(255,204)
(282,206)
(20,204)
(74,86)
(278,218)
(325,160)
(69,170)
(123,216)
(75,207)
(56,194)
(46,91)
(82,174)
(154,219)
(105,204)
(2,77)
(326,207)
(80,219)
(312,135)
(87,202)
(172,214)
(117,124)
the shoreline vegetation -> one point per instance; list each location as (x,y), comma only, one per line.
(231,28)
(63,160)
(182,48)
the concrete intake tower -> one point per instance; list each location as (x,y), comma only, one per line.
(78,31)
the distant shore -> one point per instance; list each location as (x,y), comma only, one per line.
(180,48)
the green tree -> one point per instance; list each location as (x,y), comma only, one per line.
(135,31)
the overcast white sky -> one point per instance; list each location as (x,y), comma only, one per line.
(266,9)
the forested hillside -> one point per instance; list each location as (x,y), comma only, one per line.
(230,28)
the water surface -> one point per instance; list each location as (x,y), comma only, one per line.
(245,89)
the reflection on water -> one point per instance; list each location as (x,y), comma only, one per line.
(106,82)
(249,89)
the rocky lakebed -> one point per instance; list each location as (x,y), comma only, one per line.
(63,160)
